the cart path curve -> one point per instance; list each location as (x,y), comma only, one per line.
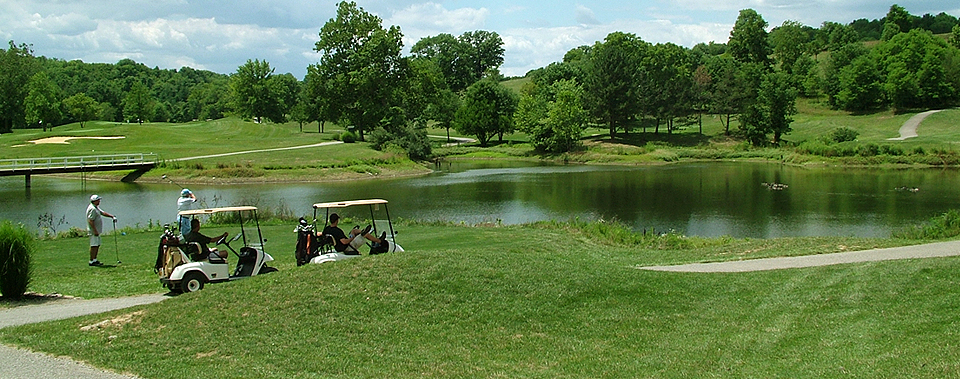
(932,250)
(258,151)
(909,128)
(17,363)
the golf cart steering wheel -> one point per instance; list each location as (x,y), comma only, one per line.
(223,239)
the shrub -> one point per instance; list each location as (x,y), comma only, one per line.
(844,134)
(348,137)
(891,150)
(868,150)
(16,245)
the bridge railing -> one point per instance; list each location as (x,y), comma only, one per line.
(91,161)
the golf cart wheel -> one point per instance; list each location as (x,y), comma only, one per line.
(192,281)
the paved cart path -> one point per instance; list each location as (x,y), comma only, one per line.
(17,363)
(909,128)
(939,249)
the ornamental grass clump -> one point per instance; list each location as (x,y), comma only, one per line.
(944,226)
(16,245)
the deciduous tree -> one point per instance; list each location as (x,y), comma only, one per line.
(361,61)
(42,105)
(138,104)
(256,93)
(748,40)
(17,65)
(772,111)
(487,110)
(81,107)
(612,80)
(554,126)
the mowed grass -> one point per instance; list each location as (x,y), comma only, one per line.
(172,142)
(531,301)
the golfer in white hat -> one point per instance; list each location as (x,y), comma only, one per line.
(95,227)
(187,201)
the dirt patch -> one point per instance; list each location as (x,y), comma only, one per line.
(31,298)
(119,320)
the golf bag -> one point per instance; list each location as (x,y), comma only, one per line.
(307,243)
(168,253)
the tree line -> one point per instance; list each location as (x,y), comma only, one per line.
(622,83)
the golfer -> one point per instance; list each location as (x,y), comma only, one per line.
(95,227)
(187,201)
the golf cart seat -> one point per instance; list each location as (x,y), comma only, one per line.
(192,250)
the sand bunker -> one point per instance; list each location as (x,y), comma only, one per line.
(65,140)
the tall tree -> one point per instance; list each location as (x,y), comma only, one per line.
(361,60)
(612,80)
(138,104)
(483,51)
(772,111)
(899,16)
(789,42)
(322,95)
(487,110)
(17,65)
(81,107)
(554,126)
(955,36)
(256,93)
(748,40)
(450,56)
(728,90)
(42,105)
(860,85)
(667,84)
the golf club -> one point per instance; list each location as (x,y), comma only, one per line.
(164,176)
(116,245)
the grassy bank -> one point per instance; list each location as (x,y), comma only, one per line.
(543,300)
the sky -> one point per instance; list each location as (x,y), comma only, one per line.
(220,36)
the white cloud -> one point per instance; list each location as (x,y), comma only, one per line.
(585,16)
(221,36)
(433,16)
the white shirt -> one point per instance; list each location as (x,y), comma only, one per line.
(96,215)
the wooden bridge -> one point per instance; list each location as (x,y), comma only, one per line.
(139,162)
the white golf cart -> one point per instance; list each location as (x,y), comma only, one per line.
(183,268)
(326,251)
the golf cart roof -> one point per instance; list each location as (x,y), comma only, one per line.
(350,203)
(195,212)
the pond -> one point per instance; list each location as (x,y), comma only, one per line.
(702,199)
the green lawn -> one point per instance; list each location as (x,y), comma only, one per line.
(174,141)
(532,301)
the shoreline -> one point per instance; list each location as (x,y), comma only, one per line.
(426,170)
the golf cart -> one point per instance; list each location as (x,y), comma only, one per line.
(184,267)
(322,250)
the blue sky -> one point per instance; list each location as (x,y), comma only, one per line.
(221,35)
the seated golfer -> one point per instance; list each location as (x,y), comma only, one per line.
(349,245)
(205,252)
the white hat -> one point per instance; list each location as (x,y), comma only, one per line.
(185,192)
(94,198)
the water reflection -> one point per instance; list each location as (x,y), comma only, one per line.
(706,199)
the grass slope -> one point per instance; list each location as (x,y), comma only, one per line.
(541,301)
(174,141)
